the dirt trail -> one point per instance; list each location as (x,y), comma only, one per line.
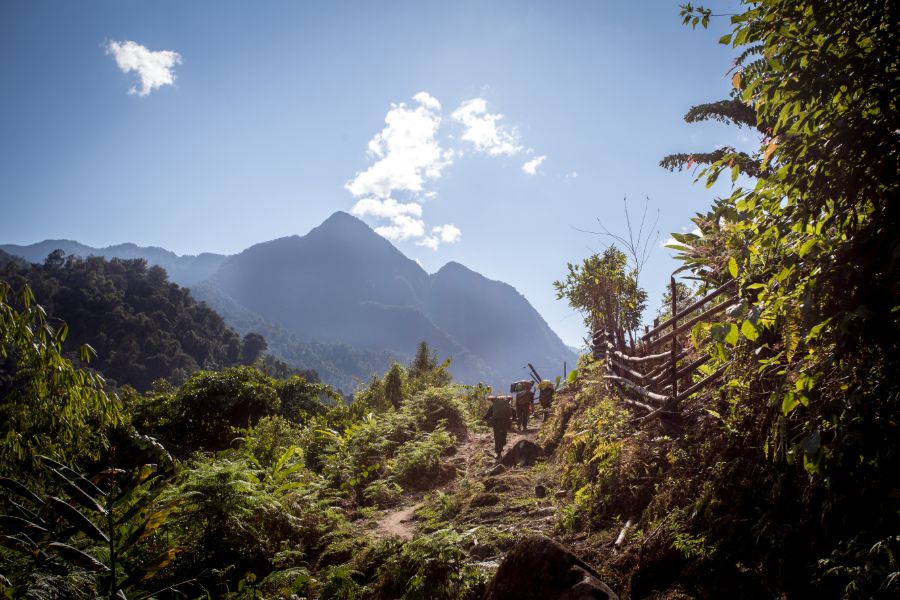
(397,523)
(470,456)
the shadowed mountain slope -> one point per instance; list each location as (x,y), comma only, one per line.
(344,283)
(344,290)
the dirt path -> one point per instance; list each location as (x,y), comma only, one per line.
(397,523)
(471,457)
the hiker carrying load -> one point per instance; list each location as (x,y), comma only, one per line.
(524,400)
(545,395)
(498,416)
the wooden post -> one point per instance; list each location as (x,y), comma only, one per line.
(674,358)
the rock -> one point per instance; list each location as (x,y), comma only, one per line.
(493,484)
(485,499)
(537,568)
(540,491)
(524,453)
(560,494)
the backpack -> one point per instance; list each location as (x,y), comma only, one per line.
(502,411)
(520,386)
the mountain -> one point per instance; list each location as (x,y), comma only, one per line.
(342,300)
(344,283)
(184,270)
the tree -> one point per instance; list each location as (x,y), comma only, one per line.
(46,405)
(424,361)
(813,244)
(253,347)
(606,292)
(393,385)
(425,371)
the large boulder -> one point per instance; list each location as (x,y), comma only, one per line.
(537,568)
(523,454)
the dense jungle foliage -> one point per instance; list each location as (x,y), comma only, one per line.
(786,479)
(250,487)
(141,326)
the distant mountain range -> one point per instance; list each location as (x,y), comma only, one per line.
(183,270)
(345,290)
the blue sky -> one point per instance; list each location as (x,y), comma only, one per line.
(276,107)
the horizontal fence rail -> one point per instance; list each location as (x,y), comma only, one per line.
(647,376)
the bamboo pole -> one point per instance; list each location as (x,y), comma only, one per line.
(674,360)
(688,324)
(638,389)
(702,383)
(640,359)
(689,309)
(628,370)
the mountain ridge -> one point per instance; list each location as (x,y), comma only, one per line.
(343,284)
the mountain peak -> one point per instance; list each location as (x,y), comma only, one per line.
(343,221)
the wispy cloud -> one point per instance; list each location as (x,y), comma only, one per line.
(484,130)
(408,155)
(442,234)
(407,151)
(531,167)
(154,68)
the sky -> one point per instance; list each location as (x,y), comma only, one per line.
(495,134)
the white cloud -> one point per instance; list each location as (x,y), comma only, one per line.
(155,69)
(402,227)
(427,100)
(531,167)
(572,175)
(449,233)
(407,155)
(442,234)
(484,130)
(385,209)
(407,150)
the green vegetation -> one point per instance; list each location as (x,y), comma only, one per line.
(142,327)
(782,482)
(266,495)
(606,292)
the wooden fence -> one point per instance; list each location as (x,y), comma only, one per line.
(650,372)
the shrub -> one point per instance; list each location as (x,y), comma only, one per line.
(417,463)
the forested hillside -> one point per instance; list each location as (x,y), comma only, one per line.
(184,270)
(141,326)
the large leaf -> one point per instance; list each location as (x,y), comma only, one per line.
(77,557)
(151,567)
(19,545)
(18,525)
(77,519)
(65,474)
(27,514)
(20,490)
(81,497)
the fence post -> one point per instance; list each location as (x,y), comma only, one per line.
(674,341)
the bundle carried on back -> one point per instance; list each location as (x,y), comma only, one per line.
(521,386)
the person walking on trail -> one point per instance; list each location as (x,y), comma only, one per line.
(545,395)
(524,399)
(498,416)
(524,402)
